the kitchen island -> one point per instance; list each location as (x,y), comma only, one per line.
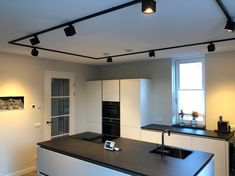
(71,156)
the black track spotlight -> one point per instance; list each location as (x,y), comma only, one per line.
(230,26)
(151,53)
(148,6)
(34,52)
(34,40)
(211,47)
(109,60)
(70,30)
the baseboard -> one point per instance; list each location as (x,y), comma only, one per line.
(24,171)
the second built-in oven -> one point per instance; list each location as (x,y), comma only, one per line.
(111,118)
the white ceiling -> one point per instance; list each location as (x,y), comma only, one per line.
(176,22)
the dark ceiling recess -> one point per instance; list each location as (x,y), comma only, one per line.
(70,31)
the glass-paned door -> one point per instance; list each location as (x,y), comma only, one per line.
(60,106)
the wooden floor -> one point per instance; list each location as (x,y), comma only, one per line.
(31,174)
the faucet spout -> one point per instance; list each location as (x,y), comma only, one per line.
(163,145)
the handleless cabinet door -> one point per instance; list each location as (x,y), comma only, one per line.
(93,106)
(219,148)
(110,90)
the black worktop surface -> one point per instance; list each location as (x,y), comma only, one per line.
(190,131)
(133,159)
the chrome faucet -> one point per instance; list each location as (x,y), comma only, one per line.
(163,145)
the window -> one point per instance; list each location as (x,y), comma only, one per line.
(189,90)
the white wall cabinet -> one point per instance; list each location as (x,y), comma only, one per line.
(136,106)
(93,106)
(111,90)
(218,147)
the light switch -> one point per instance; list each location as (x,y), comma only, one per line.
(36,125)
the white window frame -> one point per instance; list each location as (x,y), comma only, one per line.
(175,88)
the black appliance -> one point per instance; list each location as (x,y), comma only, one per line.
(232,158)
(223,126)
(111,118)
(93,137)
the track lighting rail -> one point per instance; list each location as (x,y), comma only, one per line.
(168,48)
(224,10)
(71,31)
(79,20)
(55,51)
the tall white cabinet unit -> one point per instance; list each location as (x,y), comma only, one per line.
(110,89)
(136,106)
(94,106)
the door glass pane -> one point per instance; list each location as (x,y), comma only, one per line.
(60,125)
(59,106)
(59,87)
(57,126)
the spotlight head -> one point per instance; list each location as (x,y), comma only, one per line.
(34,40)
(230,26)
(70,31)
(211,47)
(34,52)
(148,6)
(109,60)
(151,53)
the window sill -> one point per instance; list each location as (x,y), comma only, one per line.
(200,127)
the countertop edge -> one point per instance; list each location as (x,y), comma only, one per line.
(93,161)
(186,133)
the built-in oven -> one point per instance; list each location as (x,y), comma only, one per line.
(111,127)
(111,109)
(111,118)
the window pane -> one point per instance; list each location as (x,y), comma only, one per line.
(190,75)
(191,101)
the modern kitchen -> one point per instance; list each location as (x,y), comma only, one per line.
(131,87)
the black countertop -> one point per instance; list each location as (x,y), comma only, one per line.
(133,159)
(190,131)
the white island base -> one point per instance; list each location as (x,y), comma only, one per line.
(55,164)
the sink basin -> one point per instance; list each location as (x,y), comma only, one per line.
(172,152)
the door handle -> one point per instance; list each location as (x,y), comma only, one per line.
(49,122)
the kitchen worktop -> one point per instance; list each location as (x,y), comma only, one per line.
(134,158)
(190,131)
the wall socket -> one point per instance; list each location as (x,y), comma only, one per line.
(232,127)
(35,157)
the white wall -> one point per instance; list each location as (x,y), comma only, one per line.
(24,76)
(220,88)
(160,73)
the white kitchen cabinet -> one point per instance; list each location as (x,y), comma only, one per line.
(174,140)
(220,150)
(56,164)
(151,136)
(136,106)
(110,90)
(181,141)
(93,106)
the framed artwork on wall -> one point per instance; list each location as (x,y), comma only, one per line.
(11,103)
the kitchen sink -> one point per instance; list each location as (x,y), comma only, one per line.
(172,152)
